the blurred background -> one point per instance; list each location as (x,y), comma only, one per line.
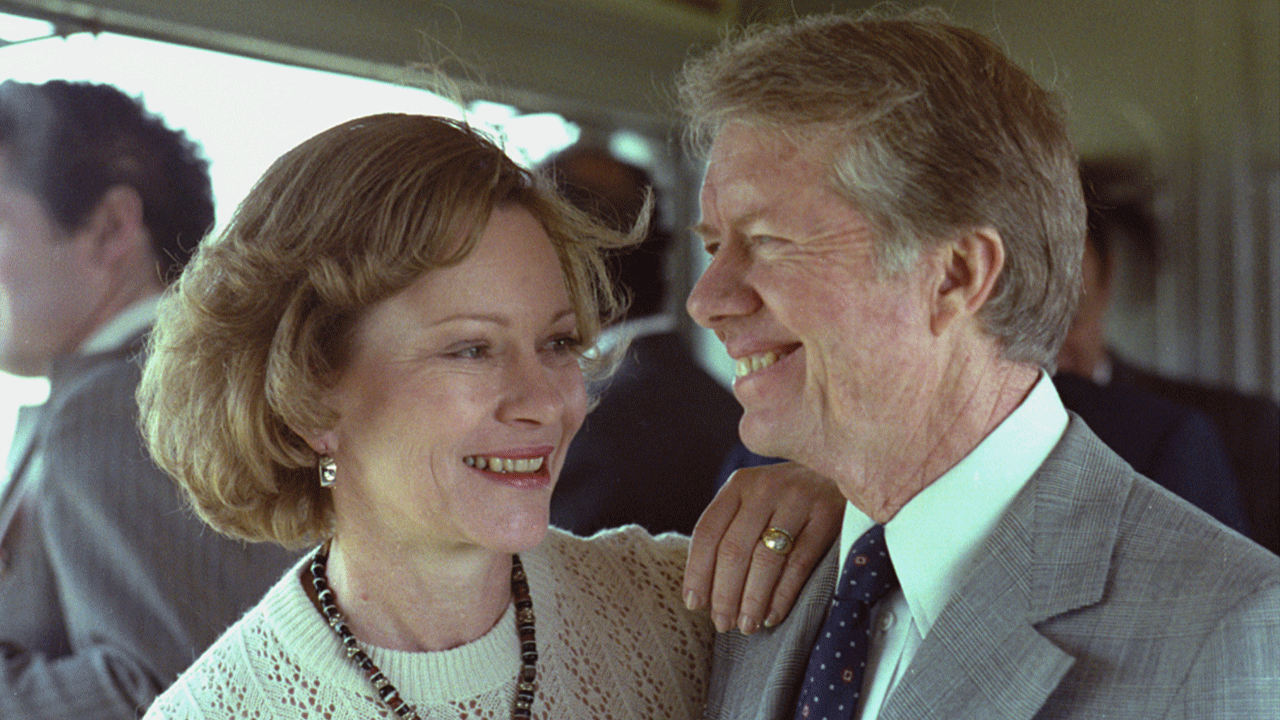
(1179,98)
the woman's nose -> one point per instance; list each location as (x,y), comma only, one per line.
(534,393)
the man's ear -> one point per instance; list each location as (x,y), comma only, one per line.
(970,264)
(116,227)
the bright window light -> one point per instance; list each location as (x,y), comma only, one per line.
(14,28)
(529,139)
(631,147)
(245,113)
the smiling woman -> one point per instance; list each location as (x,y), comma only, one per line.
(382,354)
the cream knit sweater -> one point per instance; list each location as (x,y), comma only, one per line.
(614,641)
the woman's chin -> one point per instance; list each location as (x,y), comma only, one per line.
(523,543)
(520,534)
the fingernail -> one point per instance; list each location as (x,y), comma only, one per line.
(691,600)
(747,624)
(771,620)
(723,622)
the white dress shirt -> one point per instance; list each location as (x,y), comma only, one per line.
(118,330)
(934,538)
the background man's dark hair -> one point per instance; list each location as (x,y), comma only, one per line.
(68,143)
(615,191)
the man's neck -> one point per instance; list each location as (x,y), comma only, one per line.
(970,402)
(122,326)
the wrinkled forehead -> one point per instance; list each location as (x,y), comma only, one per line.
(750,150)
(752,167)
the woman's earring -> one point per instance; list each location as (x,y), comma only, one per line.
(328,471)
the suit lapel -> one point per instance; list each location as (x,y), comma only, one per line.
(67,372)
(984,659)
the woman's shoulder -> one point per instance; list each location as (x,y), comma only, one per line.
(210,688)
(610,610)
(227,680)
(624,554)
(629,543)
(621,563)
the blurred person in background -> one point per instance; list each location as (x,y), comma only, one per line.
(649,451)
(109,586)
(1213,445)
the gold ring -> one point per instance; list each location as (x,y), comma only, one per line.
(777,540)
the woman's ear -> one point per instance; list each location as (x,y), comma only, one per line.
(970,265)
(323,442)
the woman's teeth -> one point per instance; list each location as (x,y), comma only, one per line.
(747,365)
(504,465)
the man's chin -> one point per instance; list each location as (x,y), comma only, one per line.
(764,439)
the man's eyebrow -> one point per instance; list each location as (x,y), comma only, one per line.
(703,230)
(707,230)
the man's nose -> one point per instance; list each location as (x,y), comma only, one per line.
(723,291)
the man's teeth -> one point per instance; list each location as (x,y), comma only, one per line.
(748,365)
(503,465)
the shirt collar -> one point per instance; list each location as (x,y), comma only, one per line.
(117,331)
(934,537)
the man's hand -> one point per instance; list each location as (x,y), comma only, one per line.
(748,584)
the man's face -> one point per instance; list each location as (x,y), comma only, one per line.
(832,358)
(45,300)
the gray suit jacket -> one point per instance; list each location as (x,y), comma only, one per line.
(109,586)
(1099,595)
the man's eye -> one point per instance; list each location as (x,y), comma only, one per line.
(471,352)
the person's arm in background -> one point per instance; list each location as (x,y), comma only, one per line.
(142,585)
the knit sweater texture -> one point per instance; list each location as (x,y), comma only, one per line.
(614,641)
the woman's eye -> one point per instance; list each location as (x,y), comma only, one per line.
(565,344)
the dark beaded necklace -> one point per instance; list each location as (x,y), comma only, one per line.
(526,683)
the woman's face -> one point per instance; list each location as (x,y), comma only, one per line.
(459,400)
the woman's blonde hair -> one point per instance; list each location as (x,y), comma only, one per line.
(259,325)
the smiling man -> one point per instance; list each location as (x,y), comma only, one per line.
(895,224)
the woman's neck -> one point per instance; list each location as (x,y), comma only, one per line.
(416,601)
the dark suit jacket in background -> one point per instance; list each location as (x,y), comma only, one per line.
(110,586)
(1099,595)
(1250,427)
(649,453)
(1175,445)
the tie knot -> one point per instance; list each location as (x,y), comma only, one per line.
(868,571)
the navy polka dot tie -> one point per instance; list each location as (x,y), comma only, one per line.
(833,679)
